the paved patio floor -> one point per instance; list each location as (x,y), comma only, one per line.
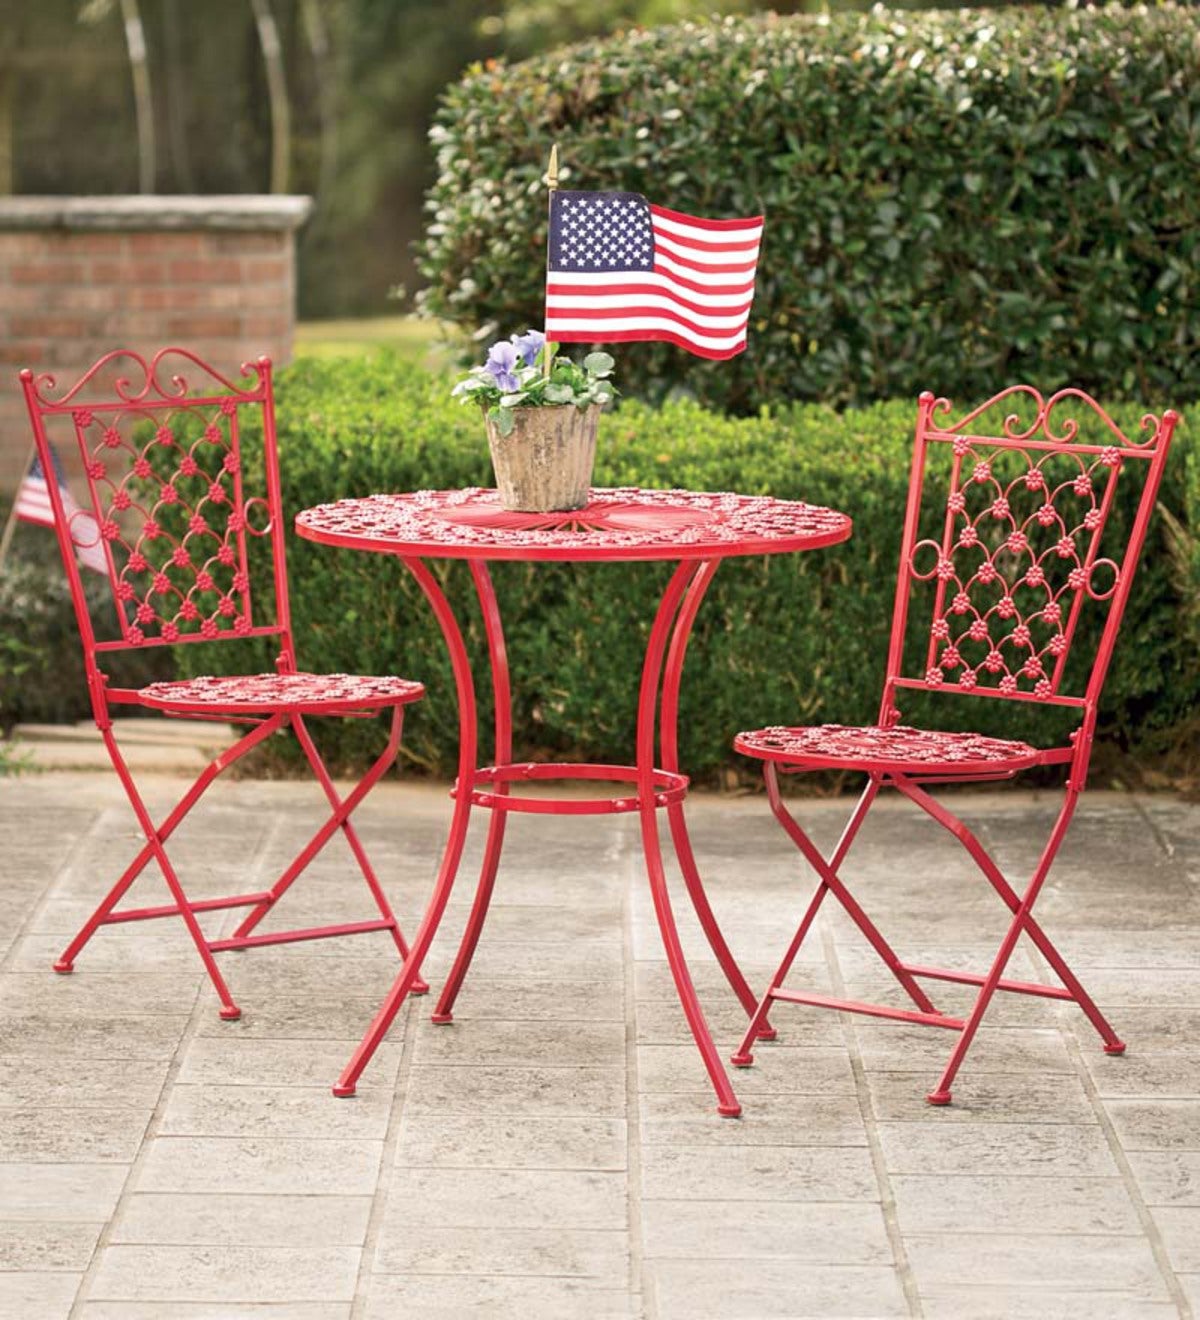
(555,1153)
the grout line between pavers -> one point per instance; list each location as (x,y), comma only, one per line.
(68,864)
(387,1157)
(887,1197)
(190,1033)
(1150,1230)
(1167,847)
(1112,1140)
(633,1116)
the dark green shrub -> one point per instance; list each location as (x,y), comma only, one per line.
(43,681)
(953,199)
(793,638)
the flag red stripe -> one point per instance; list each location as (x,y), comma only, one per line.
(556,315)
(43,518)
(632,292)
(33,503)
(566,282)
(665,336)
(681,219)
(702,272)
(707,267)
(647,321)
(667,236)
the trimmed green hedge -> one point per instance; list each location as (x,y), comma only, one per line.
(793,638)
(971,197)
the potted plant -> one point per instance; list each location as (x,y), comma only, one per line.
(541,413)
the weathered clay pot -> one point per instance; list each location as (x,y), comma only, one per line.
(545,462)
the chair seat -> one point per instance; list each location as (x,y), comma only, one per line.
(900,749)
(256,693)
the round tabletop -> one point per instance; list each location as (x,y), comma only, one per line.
(616,524)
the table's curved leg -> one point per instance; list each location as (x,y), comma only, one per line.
(684,575)
(502,700)
(669,740)
(467,749)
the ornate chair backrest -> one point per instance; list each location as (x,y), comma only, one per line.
(1022,545)
(174,494)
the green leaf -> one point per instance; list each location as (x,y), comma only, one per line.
(599,363)
(1080,139)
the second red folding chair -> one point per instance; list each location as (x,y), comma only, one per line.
(1013,555)
(182,474)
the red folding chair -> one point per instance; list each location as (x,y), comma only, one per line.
(1014,560)
(179,483)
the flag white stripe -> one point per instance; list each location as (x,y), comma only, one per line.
(559,303)
(751,234)
(716,296)
(33,502)
(635,322)
(43,515)
(711,280)
(33,505)
(740,256)
(736,264)
(711,244)
(89,546)
(698,293)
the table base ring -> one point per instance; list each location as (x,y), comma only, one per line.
(669,788)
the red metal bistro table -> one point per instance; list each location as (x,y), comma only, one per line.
(693,530)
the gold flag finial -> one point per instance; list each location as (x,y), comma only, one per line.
(552,187)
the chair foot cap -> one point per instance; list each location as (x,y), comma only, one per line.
(441,1018)
(938,1097)
(231,1013)
(730,1111)
(419,987)
(343,1091)
(1118,1048)
(741,1060)
(767,1033)
(64,968)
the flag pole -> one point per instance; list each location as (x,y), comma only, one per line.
(10,524)
(551,188)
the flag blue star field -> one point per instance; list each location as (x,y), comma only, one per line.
(620,268)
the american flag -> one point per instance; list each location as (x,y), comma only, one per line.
(33,505)
(620,268)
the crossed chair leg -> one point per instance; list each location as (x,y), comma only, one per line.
(262,901)
(908,974)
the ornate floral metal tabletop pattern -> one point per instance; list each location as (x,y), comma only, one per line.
(622,523)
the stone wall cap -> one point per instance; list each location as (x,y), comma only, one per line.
(157,211)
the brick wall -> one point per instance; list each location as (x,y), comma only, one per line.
(80,276)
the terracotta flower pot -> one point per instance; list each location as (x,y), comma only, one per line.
(545,462)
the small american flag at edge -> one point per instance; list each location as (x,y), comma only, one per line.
(620,268)
(33,505)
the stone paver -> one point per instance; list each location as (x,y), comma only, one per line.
(555,1151)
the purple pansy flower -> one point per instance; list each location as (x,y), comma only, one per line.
(502,359)
(529,345)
